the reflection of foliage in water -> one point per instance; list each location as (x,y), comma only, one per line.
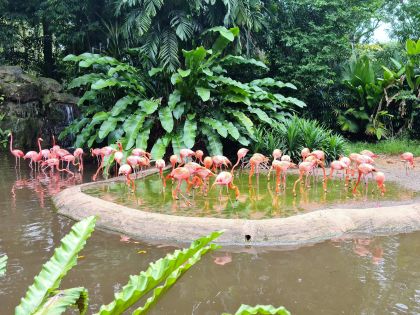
(3,133)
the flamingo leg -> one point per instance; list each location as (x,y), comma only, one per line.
(296,182)
(233,187)
(251,173)
(357,183)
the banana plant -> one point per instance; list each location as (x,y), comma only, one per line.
(204,103)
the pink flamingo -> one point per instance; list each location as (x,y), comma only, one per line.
(208,162)
(185,153)
(219,161)
(282,167)
(363,169)
(18,154)
(380,178)
(35,157)
(105,152)
(54,163)
(277,154)
(202,178)
(119,155)
(241,155)
(133,161)
(369,154)
(408,159)
(96,153)
(126,170)
(180,174)
(174,160)
(160,165)
(78,154)
(69,158)
(305,168)
(305,153)
(140,152)
(199,156)
(226,179)
(255,162)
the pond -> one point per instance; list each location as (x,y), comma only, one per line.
(354,276)
(259,201)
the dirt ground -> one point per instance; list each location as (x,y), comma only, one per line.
(394,170)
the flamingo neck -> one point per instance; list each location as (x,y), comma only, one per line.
(39,146)
(53,141)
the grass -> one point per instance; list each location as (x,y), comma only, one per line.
(391,146)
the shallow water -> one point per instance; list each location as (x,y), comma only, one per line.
(258,201)
(358,276)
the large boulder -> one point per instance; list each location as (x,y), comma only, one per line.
(34,106)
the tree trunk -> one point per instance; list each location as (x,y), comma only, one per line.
(48,66)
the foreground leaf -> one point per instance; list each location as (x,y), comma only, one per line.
(64,258)
(260,309)
(172,278)
(64,299)
(3,264)
(157,272)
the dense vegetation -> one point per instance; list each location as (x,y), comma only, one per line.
(154,72)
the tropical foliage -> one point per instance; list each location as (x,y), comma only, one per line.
(44,296)
(294,134)
(385,105)
(205,105)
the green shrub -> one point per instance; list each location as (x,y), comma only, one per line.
(294,134)
(389,146)
(202,103)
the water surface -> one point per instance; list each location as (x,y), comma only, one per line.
(358,276)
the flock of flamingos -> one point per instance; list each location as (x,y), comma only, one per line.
(197,172)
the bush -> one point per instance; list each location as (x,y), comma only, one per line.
(294,134)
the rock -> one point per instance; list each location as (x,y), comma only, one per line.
(34,107)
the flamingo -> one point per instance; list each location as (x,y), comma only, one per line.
(339,166)
(369,154)
(54,163)
(185,153)
(226,179)
(219,160)
(282,167)
(126,170)
(69,158)
(305,168)
(35,157)
(208,162)
(380,178)
(286,158)
(119,155)
(363,169)
(133,161)
(199,156)
(78,153)
(408,159)
(105,152)
(96,153)
(140,152)
(202,178)
(241,155)
(277,154)
(255,162)
(180,174)
(18,154)
(305,153)
(160,165)
(174,160)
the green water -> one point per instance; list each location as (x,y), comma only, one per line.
(256,202)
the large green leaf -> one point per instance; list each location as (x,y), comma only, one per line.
(231,128)
(149,106)
(64,258)
(63,299)
(215,147)
(261,310)
(143,137)
(104,83)
(3,264)
(166,120)
(122,104)
(217,125)
(172,278)
(177,143)
(107,126)
(85,79)
(204,93)
(178,110)
(243,120)
(174,99)
(226,36)
(194,58)
(270,82)
(99,117)
(190,129)
(239,60)
(262,115)
(159,148)
(157,272)
(132,126)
